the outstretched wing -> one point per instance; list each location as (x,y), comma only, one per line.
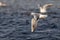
(42,16)
(33,24)
(47,5)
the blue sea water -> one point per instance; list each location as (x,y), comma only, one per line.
(15,21)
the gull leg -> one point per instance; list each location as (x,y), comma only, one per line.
(33,24)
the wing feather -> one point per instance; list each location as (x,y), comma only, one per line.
(33,24)
(47,5)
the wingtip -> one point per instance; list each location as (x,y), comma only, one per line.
(48,5)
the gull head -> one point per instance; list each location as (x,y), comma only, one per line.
(33,13)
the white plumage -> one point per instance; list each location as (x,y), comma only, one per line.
(42,16)
(2,4)
(43,9)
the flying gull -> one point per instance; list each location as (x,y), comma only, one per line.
(37,16)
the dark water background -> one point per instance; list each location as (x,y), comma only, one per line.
(15,21)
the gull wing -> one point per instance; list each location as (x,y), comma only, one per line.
(42,16)
(33,24)
(47,5)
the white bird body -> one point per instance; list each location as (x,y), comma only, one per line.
(43,10)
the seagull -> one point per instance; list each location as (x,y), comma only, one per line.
(37,16)
(2,4)
(34,21)
(43,9)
